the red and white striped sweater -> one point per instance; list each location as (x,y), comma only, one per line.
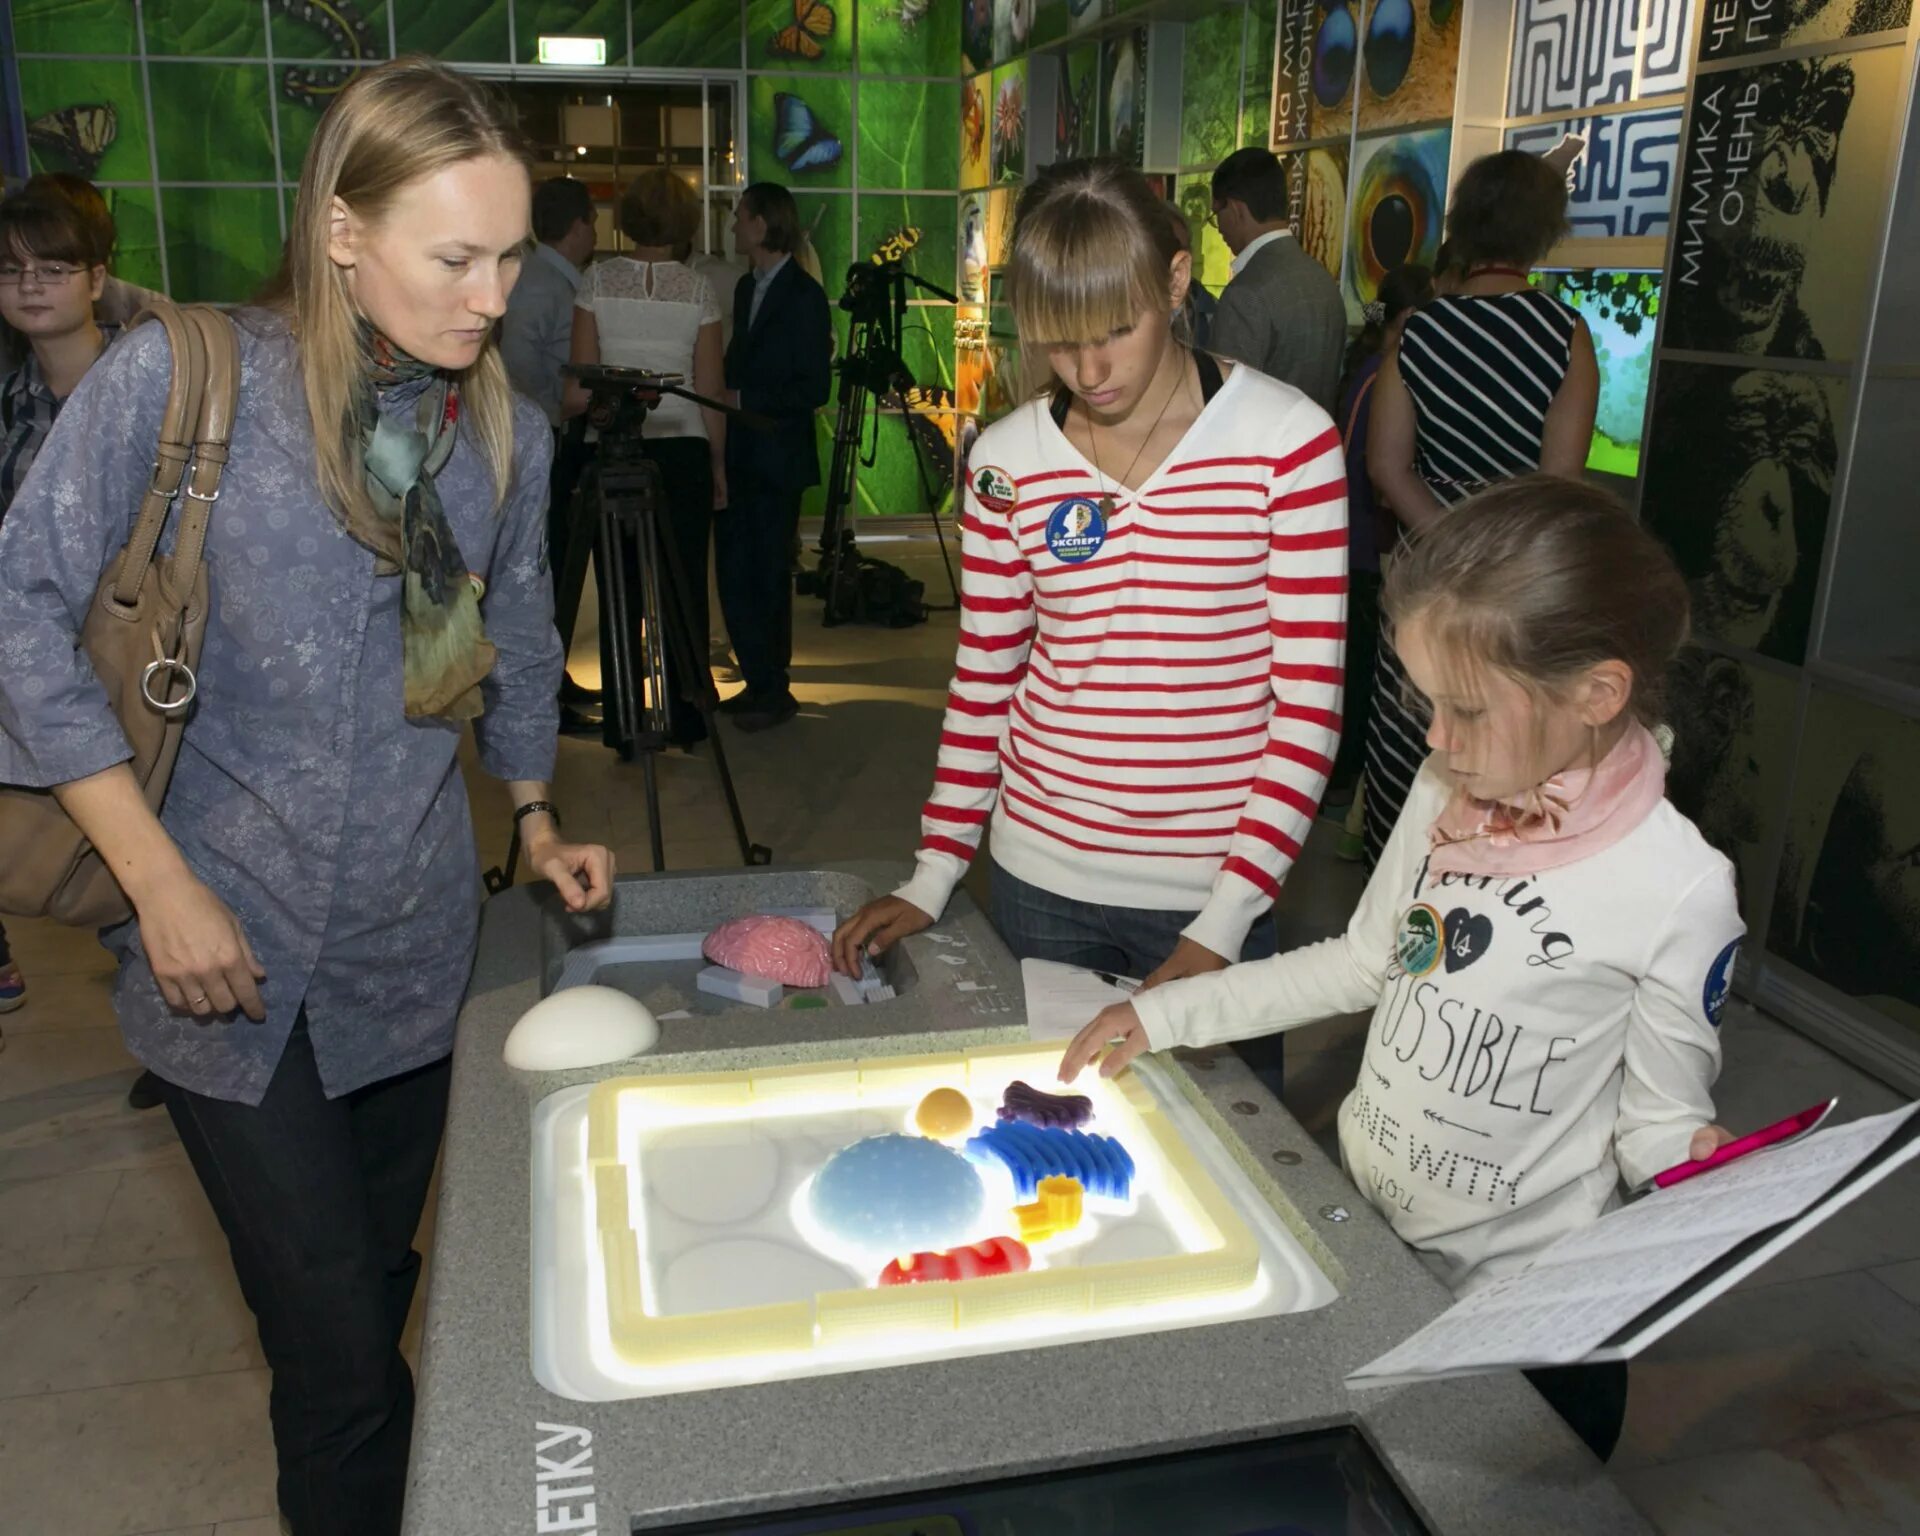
(1153,725)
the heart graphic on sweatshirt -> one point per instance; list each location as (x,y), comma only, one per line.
(1468,938)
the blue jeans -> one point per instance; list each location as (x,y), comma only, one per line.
(1122,941)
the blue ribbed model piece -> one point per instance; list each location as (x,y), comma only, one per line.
(1032,1153)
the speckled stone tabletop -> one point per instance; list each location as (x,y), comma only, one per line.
(1477,1457)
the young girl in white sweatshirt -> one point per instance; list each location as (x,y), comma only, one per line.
(1547,943)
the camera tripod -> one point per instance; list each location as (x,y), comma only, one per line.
(616,515)
(871,374)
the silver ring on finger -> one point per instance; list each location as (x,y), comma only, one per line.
(195,1002)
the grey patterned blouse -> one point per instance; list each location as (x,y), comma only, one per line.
(337,830)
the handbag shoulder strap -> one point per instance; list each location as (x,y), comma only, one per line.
(212,428)
(178,423)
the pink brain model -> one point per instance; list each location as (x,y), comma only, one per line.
(782,949)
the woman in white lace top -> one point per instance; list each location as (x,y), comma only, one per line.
(648,310)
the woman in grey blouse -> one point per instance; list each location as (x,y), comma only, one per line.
(306,903)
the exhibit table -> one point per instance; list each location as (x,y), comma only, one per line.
(689,1361)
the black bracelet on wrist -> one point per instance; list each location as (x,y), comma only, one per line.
(537,805)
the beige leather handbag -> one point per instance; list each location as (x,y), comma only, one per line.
(143,631)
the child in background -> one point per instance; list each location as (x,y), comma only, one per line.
(53,269)
(1546,943)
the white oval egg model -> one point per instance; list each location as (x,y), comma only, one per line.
(580,1027)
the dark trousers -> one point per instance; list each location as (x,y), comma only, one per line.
(1122,941)
(686,523)
(1591,1398)
(753,558)
(1363,649)
(320,1199)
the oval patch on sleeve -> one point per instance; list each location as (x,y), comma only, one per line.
(993,487)
(1713,997)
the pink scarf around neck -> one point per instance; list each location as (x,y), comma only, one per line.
(1572,816)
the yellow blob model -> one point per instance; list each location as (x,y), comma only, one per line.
(944,1114)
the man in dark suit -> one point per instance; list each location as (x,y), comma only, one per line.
(780,366)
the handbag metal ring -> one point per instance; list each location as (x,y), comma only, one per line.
(172,669)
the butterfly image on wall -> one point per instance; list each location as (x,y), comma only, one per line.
(74,137)
(800,141)
(1070,110)
(812,25)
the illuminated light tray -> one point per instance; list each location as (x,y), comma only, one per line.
(674,1250)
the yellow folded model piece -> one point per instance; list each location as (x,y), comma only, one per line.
(1058,1209)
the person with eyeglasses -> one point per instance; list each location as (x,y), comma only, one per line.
(119,300)
(52,266)
(1281,312)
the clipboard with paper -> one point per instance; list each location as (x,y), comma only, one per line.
(1611,1289)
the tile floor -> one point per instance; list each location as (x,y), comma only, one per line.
(132,1398)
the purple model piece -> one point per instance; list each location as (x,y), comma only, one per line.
(1049,1111)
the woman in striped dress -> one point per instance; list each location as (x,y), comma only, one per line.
(1494,380)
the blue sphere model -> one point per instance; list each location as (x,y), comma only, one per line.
(897,1194)
(1333,48)
(1389,45)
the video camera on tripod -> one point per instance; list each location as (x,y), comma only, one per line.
(872,373)
(616,517)
(618,399)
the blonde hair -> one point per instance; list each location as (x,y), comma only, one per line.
(1092,248)
(390,127)
(1541,578)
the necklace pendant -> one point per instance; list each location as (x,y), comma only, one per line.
(1106,506)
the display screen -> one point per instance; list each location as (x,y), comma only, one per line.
(1328,1483)
(1622,310)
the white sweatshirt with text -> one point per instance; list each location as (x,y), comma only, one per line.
(1535,1039)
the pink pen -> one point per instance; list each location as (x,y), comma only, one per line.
(1789,1129)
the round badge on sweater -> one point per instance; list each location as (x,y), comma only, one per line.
(994,488)
(1418,944)
(1076,530)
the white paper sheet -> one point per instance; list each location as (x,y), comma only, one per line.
(1591,1284)
(1063,999)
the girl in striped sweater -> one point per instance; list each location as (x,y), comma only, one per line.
(1146,699)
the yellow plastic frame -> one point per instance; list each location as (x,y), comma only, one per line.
(1228,1262)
